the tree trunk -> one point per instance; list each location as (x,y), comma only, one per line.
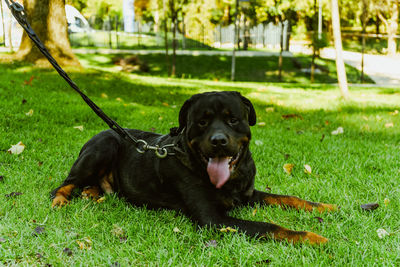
(235,40)
(280,60)
(391,24)
(48,20)
(173,70)
(340,68)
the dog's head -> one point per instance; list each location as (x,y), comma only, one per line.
(216,125)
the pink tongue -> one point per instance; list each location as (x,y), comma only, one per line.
(218,170)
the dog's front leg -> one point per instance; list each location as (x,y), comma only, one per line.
(203,209)
(290,201)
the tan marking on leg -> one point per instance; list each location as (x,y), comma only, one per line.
(298,236)
(297,203)
(106,183)
(62,195)
(91,192)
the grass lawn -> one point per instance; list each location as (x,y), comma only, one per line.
(248,69)
(360,166)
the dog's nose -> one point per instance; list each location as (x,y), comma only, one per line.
(219,139)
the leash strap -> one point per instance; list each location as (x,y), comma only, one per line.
(142,146)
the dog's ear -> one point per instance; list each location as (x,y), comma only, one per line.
(183,113)
(252,118)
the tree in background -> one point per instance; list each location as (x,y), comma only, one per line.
(48,19)
(388,13)
(278,11)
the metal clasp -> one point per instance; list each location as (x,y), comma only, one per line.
(161,152)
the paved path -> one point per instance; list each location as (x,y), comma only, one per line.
(384,70)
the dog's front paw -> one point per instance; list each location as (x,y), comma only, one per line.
(59,201)
(313,239)
(327,207)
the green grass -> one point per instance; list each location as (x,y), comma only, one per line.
(359,166)
(136,41)
(248,69)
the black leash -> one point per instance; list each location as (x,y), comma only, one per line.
(142,146)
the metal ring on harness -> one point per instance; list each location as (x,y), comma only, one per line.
(161,152)
(141,146)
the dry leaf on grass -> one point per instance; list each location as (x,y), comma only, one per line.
(176,230)
(80,128)
(85,243)
(16,149)
(307,169)
(227,229)
(104,95)
(382,233)
(389,125)
(386,201)
(339,130)
(29,113)
(370,206)
(117,231)
(288,168)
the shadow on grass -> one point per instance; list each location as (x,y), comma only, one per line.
(248,69)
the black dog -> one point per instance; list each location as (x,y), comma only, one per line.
(211,172)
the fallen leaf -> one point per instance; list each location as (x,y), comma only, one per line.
(307,169)
(13,194)
(165,104)
(339,130)
(117,231)
(104,95)
(382,233)
(320,220)
(100,200)
(386,201)
(16,149)
(38,231)
(291,116)
(228,229)
(267,261)
(29,82)
(258,142)
(389,125)
(119,99)
(261,124)
(288,167)
(254,212)
(176,230)
(67,251)
(86,243)
(270,109)
(326,123)
(80,128)
(211,243)
(394,113)
(370,206)
(29,113)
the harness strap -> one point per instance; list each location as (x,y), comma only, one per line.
(19,14)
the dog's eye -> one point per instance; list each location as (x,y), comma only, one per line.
(233,121)
(202,123)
